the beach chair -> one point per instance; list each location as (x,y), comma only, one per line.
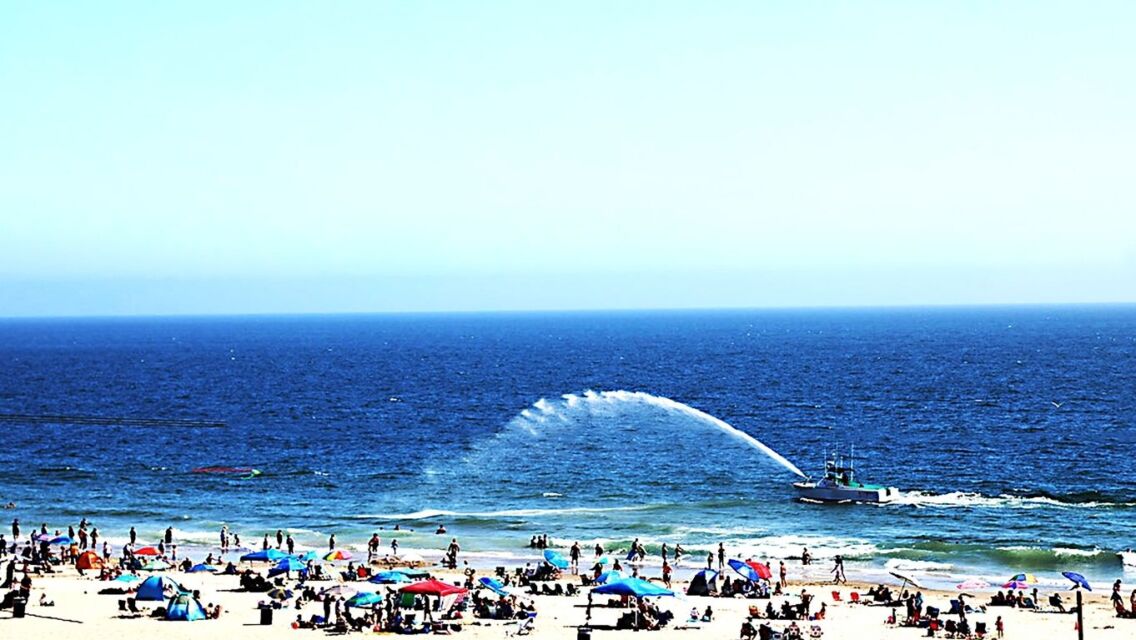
(526,626)
(132,605)
(836,596)
(816,632)
(980,629)
(854,596)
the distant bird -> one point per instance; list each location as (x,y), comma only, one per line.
(1056,404)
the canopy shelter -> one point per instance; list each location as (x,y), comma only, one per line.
(268,555)
(432,587)
(633,587)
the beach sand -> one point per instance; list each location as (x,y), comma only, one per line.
(80,612)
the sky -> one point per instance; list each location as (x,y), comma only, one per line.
(296,157)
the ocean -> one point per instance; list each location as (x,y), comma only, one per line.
(1009,430)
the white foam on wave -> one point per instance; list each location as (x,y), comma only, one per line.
(432,514)
(546,411)
(965,499)
(898,564)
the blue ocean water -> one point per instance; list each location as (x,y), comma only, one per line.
(1009,429)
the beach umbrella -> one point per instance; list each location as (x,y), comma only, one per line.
(1016,584)
(555,559)
(743,570)
(762,570)
(906,579)
(156,565)
(973,583)
(339,590)
(310,555)
(199,568)
(608,576)
(148,551)
(633,587)
(338,554)
(1027,578)
(268,555)
(410,556)
(604,560)
(127,577)
(289,563)
(432,587)
(364,599)
(61,540)
(280,593)
(495,586)
(389,577)
(1078,580)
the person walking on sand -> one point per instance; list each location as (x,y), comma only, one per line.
(999,627)
(291,544)
(666,574)
(784,573)
(574,557)
(678,553)
(452,553)
(838,571)
(394,547)
(721,557)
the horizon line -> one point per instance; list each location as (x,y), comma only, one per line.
(568,311)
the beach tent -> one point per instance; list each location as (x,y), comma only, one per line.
(268,555)
(200,568)
(183,606)
(154,588)
(495,586)
(555,559)
(89,560)
(703,583)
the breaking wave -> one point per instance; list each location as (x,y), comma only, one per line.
(964,499)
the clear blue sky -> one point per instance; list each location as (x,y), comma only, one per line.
(197,157)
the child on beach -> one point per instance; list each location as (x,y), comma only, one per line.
(999,626)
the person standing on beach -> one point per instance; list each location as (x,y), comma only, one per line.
(452,553)
(394,547)
(331,542)
(663,551)
(574,557)
(784,573)
(721,557)
(224,535)
(169,535)
(15,529)
(678,553)
(133,536)
(290,543)
(666,574)
(279,538)
(94,537)
(838,571)
(710,561)
(806,557)
(264,543)
(373,546)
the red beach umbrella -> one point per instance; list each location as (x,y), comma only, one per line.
(147,551)
(762,570)
(432,587)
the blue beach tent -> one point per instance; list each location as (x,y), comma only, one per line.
(632,587)
(555,559)
(703,583)
(289,563)
(154,588)
(185,607)
(199,568)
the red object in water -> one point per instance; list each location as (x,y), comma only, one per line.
(147,551)
(432,587)
(762,570)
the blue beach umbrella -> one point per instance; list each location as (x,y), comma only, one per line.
(608,576)
(555,559)
(268,555)
(495,586)
(61,540)
(199,568)
(286,564)
(364,599)
(1078,580)
(633,587)
(389,577)
(311,555)
(744,570)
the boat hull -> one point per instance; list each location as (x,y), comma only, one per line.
(839,494)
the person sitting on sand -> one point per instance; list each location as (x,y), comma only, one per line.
(708,615)
(748,631)
(44,602)
(792,632)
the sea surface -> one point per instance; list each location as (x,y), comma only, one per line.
(1011,432)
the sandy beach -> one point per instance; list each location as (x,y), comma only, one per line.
(79,610)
